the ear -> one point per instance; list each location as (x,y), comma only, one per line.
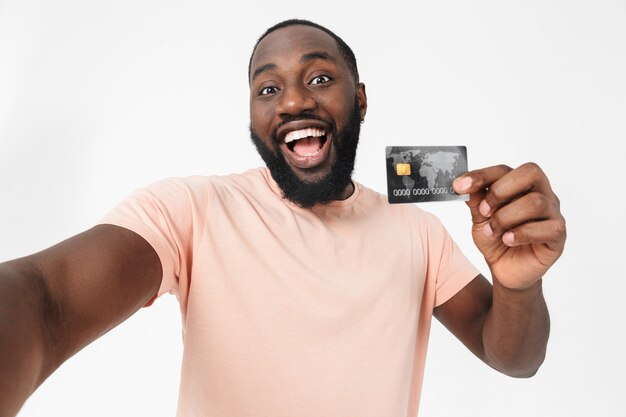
(362,97)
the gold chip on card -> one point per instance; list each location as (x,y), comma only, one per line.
(403,169)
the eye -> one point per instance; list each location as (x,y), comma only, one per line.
(320,79)
(268,90)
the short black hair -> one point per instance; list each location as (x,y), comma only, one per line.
(346,51)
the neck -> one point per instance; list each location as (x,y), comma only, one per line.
(347,192)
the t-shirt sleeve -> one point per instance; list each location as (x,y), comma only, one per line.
(448,267)
(163,214)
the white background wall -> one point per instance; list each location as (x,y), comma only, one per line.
(98,98)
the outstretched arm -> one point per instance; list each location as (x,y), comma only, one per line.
(518,227)
(55,302)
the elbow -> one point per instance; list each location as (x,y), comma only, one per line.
(517,366)
(521,374)
(521,368)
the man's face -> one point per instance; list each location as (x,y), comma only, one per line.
(305,109)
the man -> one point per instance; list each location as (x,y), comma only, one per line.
(303,293)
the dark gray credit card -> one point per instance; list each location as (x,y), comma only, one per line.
(417,174)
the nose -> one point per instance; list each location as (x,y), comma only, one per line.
(295,100)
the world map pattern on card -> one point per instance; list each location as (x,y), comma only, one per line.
(417,174)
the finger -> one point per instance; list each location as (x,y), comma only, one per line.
(551,232)
(475,183)
(530,207)
(479,179)
(516,183)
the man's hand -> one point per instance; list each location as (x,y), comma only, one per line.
(517,222)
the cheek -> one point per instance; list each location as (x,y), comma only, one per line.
(260,116)
(339,106)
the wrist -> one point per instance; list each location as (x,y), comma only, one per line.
(517,294)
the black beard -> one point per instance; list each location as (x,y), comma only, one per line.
(331,186)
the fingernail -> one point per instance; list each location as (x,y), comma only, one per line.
(484,208)
(508,238)
(487,230)
(463,183)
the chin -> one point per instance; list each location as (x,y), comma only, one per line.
(316,174)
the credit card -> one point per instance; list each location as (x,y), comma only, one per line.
(417,174)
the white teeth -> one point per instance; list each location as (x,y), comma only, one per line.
(304,133)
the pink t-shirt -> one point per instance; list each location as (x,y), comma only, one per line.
(296,312)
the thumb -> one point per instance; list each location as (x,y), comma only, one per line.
(463,183)
(474,205)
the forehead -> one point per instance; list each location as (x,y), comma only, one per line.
(292,42)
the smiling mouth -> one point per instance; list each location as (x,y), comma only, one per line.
(306,142)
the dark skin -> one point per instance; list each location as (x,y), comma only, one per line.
(518,227)
(55,302)
(299,73)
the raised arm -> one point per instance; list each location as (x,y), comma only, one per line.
(518,227)
(55,302)
(506,329)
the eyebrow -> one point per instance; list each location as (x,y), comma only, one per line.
(311,56)
(318,55)
(262,69)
